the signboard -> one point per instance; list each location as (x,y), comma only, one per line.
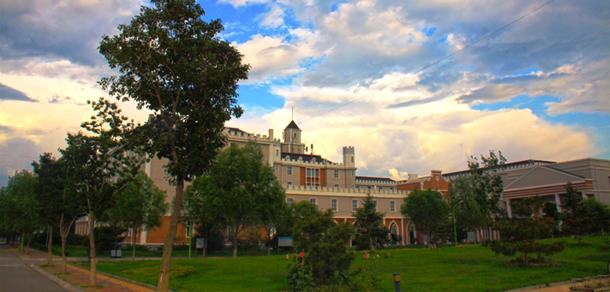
(200,243)
(284,241)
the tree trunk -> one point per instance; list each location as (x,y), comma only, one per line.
(50,247)
(27,245)
(205,247)
(371,243)
(92,279)
(133,245)
(235,244)
(163,284)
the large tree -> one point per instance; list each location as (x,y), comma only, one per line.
(172,63)
(98,165)
(60,201)
(475,197)
(240,190)
(369,224)
(427,210)
(140,204)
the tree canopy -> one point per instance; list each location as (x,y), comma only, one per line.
(240,190)
(427,210)
(172,62)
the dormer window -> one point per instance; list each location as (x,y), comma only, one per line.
(294,135)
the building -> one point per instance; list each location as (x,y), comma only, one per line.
(306,177)
(548,179)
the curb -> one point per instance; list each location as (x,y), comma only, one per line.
(57,280)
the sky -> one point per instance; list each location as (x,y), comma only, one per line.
(354,73)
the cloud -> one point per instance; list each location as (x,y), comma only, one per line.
(7,93)
(492,93)
(237,3)
(274,17)
(273,57)
(54,29)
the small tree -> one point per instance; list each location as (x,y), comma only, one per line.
(172,63)
(62,205)
(139,205)
(323,244)
(239,190)
(575,215)
(427,210)
(97,165)
(369,225)
(21,208)
(519,233)
(599,214)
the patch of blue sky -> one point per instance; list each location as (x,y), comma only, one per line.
(529,70)
(429,31)
(335,6)
(310,62)
(259,95)
(443,39)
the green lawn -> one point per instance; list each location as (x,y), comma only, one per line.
(462,268)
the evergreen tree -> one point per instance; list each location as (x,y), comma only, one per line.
(519,233)
(370,230)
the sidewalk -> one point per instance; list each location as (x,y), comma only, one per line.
(79,277)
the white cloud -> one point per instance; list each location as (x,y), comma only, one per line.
(272,57)
(237,3)
(274,17)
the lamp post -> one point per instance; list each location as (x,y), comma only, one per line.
(397,281)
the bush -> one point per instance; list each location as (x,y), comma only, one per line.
(323,244)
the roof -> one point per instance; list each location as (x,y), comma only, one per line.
(236,130)
(377,178)
(506,166)
(305,157)
(292,125)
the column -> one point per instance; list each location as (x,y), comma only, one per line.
(558,203)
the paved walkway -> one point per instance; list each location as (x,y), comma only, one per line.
(17,275)
(77,277)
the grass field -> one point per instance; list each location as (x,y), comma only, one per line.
(462,268)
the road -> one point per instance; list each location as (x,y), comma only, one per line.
(16,275)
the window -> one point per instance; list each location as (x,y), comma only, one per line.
(289,183)
(353,172)
(354,205)
(294,135)
(392,206)
(289,170)
(313,201)
(277,167)
(352,158)
(289,201)
(334,205)
(312,172)
(277,152)
(380,188)
(336,186)
(336,173)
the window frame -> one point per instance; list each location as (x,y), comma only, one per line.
(335,208)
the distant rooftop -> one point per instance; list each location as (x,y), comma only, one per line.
(376,178)
(305,157)
(292,125)
(506,166)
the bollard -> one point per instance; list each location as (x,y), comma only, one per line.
(397,281)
